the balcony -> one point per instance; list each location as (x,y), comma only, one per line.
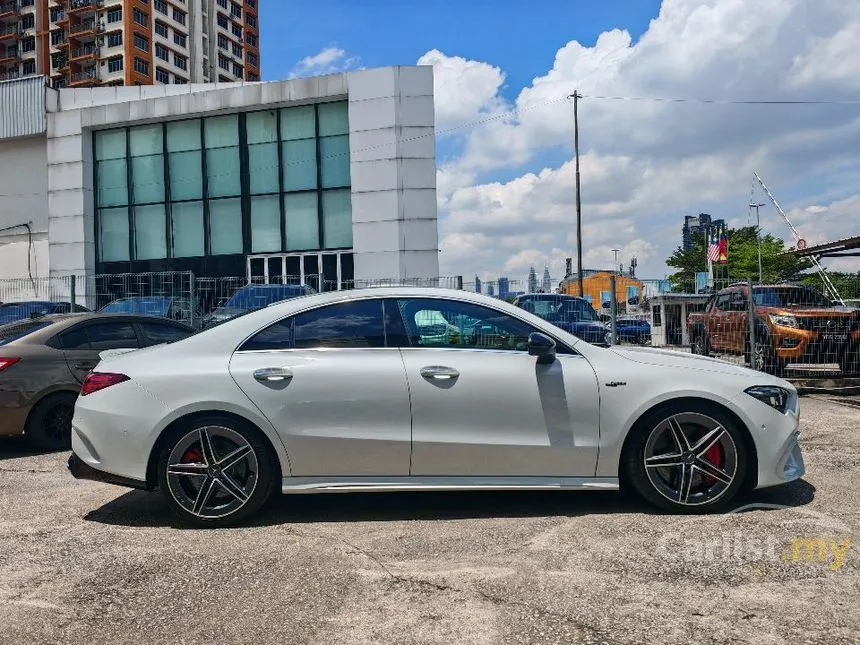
(84,28)
(9,76)
(83,53)
(9,9)
(11,55)
(9,32)
(84,77)
(83,6)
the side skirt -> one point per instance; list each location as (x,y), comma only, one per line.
(388,484)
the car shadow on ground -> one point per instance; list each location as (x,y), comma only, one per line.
(142,509)
(16,447)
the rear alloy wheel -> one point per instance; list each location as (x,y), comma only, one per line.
(701,346)
(217,473)
(50,424)
(687,461)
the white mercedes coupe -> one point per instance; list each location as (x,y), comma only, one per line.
(402,388)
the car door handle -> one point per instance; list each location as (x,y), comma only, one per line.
(439,372)
(273,374)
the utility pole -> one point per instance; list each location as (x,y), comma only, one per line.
(576,96)
(756,206)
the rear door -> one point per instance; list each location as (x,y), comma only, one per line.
(82,343)
(717,319)
(736,329)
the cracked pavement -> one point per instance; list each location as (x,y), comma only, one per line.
(82,562)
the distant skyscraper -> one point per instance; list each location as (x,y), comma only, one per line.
(532,280)
(477,284)
(503,287)
(546,282)
(700,223)
(491,290)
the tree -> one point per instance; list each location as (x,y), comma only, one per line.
(777,264)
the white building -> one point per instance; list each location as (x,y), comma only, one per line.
(332,176)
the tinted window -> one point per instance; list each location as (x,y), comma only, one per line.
(74,338)
(14,331)
(112,335)
(789,297)
(273,337)
(723,301)
(432,322)
(348,324)
(155,333)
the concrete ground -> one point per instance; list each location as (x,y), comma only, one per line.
(88,563)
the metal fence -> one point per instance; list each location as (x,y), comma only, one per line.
(789,330)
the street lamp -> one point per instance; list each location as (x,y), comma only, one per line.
(756,206)
(614,300)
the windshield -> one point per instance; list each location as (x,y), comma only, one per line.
(14,331)
(12,311)
(561,309)
(152,306)
(259,297)
(789,297)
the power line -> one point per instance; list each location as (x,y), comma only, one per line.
(659,99)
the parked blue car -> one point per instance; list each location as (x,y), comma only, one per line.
(12,311)
(631,330)
(171,307)
(570,313)
(254,296)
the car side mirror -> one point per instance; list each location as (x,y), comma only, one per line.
(541,346)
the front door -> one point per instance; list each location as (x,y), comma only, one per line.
(481,406)
(336,395)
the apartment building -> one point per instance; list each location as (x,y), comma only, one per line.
(85,43)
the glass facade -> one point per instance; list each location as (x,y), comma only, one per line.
(254,182)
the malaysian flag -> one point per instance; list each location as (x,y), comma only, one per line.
(713,244)
(724,247)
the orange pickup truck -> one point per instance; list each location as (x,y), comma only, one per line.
(793,324)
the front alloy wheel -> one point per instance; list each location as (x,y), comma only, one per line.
(216,473)
(687,460)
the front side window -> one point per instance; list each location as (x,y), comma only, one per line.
(436,322)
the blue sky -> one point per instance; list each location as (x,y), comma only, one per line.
(505,189)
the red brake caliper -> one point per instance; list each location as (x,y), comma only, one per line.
(192,456)
(714,455)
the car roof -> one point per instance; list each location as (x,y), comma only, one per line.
(549,296)
(60,322)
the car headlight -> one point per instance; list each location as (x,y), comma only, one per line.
(776,397)
(784,320)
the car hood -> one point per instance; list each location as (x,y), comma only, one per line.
(671,358)
(814,312)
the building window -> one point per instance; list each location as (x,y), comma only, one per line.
(223,4)
(141,43)
(223,22)
(292,199)
(161,29)
(253,77)
(58,37)
(162,76)
(251,3)
(28,44)
(162,52)
(178,80)
(141,18)
(237,50)
(114,39)
(223,43)
(29,67)
(251,39)
(180,61)
(58,60)
(252,59)
(238,71)
(180,39)
(59,83)
(179,16)
(141,66)
(160,6)
(236,10)
(251,20)
(115,64)
(57,14)
(223,62)
(28,21)
(237,30)
(114,15)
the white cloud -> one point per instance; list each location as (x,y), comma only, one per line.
(327,61)
(646,164)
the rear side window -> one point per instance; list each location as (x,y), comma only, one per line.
(74,338)
(344,325)
(110,335)
(155,333)
(14,331)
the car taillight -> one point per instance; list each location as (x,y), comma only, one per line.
(96,381)
(7,362)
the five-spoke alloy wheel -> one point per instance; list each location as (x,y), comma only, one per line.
(687,459)
(216,472)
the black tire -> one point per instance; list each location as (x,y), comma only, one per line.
(701,343)
(49,426)
(765,358)
(705,494)
(257,476)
